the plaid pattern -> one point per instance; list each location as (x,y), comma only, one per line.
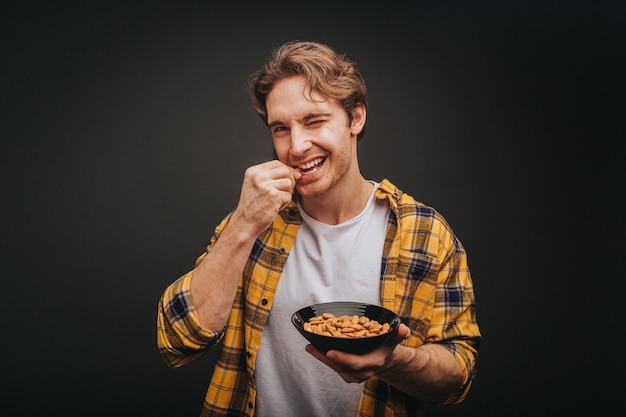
(424,279)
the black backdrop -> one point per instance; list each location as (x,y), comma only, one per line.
(126,129)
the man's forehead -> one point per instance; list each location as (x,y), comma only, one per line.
(298,107)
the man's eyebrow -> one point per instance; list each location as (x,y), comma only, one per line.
(275,123)
(314,115)
(304,119)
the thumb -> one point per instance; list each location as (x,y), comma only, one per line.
(401,334)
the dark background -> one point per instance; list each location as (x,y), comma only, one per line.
(126,128)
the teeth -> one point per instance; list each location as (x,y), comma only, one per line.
(311,164)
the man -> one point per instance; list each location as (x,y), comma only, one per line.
(310,228)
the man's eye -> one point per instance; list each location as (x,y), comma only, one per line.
(316,122)
(278,129)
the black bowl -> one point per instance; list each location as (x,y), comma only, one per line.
(357,345)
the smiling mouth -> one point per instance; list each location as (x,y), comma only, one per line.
(311,166)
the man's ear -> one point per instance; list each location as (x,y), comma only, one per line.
(359,115)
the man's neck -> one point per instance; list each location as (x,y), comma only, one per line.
(339,206)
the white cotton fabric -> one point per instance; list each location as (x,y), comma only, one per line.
(327,263)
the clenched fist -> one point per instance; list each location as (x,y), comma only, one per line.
(267,188)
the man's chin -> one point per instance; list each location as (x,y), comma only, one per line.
(310,193)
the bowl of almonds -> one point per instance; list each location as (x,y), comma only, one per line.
(347,326)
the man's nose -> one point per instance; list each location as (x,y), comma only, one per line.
(300,141)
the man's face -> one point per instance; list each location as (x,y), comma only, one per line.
(315,136)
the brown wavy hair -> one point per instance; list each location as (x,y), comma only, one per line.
(326,72)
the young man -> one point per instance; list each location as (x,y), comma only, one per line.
(309,228)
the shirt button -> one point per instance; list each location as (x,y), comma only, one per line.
(292,212)
(281,250)
(249,354)
(264,301)
(250,404)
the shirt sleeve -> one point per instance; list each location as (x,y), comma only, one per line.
(454,323)
(180,337)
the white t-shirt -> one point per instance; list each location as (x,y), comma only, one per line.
(327,263)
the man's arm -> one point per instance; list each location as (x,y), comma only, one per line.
(266,189)
(429,372)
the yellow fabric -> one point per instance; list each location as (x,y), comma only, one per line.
(425,281)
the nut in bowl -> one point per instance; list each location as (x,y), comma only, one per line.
(373,325)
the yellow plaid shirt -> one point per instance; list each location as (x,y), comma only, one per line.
(425,280)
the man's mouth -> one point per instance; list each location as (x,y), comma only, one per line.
(311,166)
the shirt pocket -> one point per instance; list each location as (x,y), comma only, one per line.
(416,287)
